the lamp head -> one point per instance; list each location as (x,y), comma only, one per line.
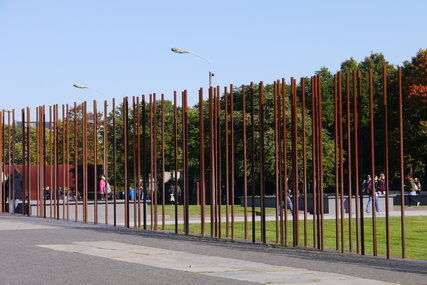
(178,50)
(80,86)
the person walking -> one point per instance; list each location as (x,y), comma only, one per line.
(381,184)
(102,186)
(365,184)
(289,203)
(372,186)
(413,188)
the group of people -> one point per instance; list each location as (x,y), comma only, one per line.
(414,188)
(369,186)
(379,186)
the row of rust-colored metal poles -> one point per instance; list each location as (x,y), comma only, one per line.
(67,153)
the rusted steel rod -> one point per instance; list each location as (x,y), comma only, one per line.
(125,160)
(216,162)
(25,167)
(4,155)
(281,181)
(14,159)
(67,136)
(7,149)
(39,162)
(336,139)
(2,165)
(360,161)
(29,159)
(155,194)
(285,162)
(144,165)
(320,160)
(114,164)
(219,184)
(9,163)
(105,158)
(7,159)
(3,177)
(56,170)
(349,169)
(214,158)
(316,228)
(50,162)
(402,185)
(63,160)
(85,163)
(356,161)
(374,209)
(261,160)
(24,176)
(227,170)
(43,156)
(138,159)
(276,160)
(245,178)
(202,163)
(2,194)
(40,157)
(295,175)
(78,177)
(304,155)
(252,158)
(65,163)
(341,160)
(76,167)
(186,172)
(105,165)
(386,178)
(211,158)
(151,177)
(95,160)
(176,193)
(135,154)
(232,158)
(163,164)
(39,214)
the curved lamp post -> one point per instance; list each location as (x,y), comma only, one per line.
(178,50)
(86,87)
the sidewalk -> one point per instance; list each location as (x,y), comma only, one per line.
(45,251)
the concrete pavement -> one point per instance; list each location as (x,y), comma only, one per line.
(45,251)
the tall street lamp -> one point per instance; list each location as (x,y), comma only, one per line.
(79,86)
(178,50)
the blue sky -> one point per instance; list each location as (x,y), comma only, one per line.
(122,48)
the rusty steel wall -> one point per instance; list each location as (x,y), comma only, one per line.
(75,146)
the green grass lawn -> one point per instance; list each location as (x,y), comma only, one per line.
(416,234)
(195,210)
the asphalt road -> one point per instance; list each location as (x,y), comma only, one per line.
(45,251)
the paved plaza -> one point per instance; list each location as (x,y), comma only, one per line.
(46,251)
